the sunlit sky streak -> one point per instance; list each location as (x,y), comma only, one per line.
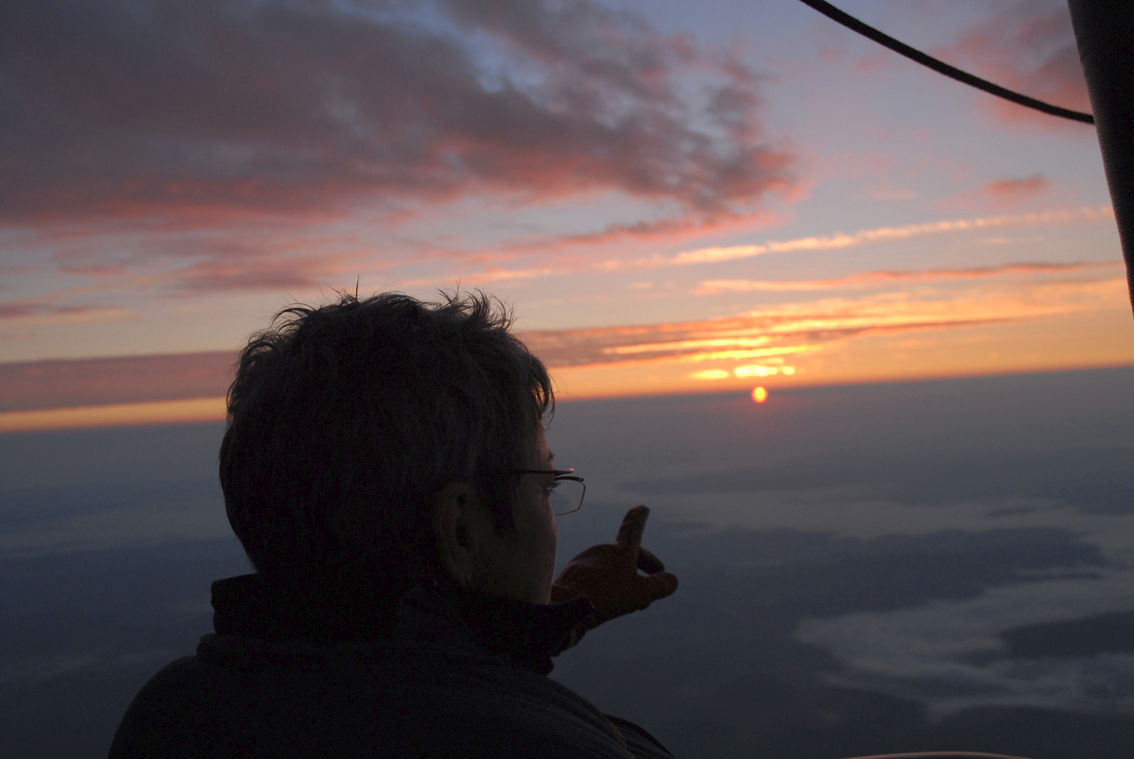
(673,198)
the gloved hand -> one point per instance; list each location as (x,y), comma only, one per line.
(608,574)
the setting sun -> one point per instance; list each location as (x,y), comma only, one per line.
(759,395)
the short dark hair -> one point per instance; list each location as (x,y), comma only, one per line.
(345,420)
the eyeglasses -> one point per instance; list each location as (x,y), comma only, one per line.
(566,492)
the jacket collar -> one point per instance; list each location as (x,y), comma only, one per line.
(526,634)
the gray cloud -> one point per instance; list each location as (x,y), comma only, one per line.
(155,108)
(1108,633)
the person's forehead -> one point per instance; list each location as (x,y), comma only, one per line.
(539,450)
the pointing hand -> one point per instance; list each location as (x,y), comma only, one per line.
(608,574)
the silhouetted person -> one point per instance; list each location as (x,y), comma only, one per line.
(385,469)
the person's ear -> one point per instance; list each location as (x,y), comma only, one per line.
(453,516)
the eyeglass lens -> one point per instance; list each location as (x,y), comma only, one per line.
(566,496)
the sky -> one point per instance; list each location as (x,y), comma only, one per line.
(672,197)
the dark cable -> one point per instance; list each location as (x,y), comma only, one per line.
(941,67)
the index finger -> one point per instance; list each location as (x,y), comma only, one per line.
(633,525)
(649,563)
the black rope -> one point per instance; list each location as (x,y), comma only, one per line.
(941,67)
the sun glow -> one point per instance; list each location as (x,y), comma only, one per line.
(760,395)
(710,374)
(762,370)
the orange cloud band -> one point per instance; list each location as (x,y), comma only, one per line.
(713,286)
(883,234)
(102,389)
(115,415)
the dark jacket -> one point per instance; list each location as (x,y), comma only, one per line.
(460,674)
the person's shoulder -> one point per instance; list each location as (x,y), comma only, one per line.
(640,743)
(170,681)
(278,704)
(150,726)
(302,700)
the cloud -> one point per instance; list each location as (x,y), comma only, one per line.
(801,328)
(767,335)
(717,254)
(1028,47)
(878,234)
(31,314)
(876,278)
(940,652)
(156,109)
(1001,194)
(267,255)
(220,270)
(101,381)
(770,336)
(1016,189)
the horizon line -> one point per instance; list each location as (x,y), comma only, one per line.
(213,408)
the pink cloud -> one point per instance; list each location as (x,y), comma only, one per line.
(269,255)
(248,262)
(206,108)
(1000,195)
(225,276)
(30,313)
(766,334)
(1028,47)
(874,278)
(130,379)
(774,332)
(1011,191)
(101,381)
